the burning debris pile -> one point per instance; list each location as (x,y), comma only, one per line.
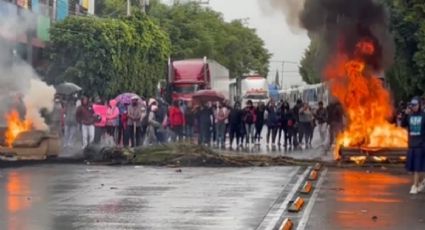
(22,94)
(355,49)
(359,48)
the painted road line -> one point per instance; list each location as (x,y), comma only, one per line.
(271,212)
(307,211)
(272,224)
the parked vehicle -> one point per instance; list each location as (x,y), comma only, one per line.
(311,94)
(254,88)
(185,77)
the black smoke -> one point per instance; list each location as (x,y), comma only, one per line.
(340,24)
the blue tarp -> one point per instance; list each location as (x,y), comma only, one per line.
(274,92)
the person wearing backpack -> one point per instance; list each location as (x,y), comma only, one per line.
(249,122)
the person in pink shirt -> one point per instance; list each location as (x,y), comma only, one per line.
(112,116)
(221,115)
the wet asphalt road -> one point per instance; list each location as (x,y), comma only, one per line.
(99,197)
(364,199)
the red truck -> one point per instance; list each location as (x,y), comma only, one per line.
(185,77)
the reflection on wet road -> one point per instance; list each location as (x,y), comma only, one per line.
(94,197)
(363,199)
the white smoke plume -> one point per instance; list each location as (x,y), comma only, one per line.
(17,77)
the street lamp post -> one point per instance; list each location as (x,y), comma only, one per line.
(283,66)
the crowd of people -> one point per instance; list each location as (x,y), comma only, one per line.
(147,122)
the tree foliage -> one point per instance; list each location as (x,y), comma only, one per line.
(197,31)
(108,56)
(407,75)
(309,70)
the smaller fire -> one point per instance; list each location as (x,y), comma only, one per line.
(15,126)
(359,160)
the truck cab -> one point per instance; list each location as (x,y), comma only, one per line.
(254,88)
(186,77)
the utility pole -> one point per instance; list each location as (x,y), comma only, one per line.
(144,4)
(54,10)
(128,8)
(283,62)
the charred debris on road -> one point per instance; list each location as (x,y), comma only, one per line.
(187,155)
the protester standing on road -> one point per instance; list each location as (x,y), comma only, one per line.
(272,122)
(335,121)
(249,121)
(123,125)
(177,122)
(162,117)
(235,124)
(152,124)
(221,118)
(86,118)
(112,119)
(205,118)
(416,153)
(296,133)
(100,125)
(259,121)
(289,121)
(321,117)
(135,115)
(71,125)
(190,122)
(56,118)
(306,125)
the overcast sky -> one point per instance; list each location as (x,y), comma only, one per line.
(272,28)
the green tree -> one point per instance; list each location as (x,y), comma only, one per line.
(309,69)
(407,75)
(197,31)
(108,56)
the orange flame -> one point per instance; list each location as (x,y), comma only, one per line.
(366,102)
(15,126)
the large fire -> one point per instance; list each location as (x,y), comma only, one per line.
(365,100)
(15,126)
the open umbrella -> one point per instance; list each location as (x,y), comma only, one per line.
(67,88)
(208,95)
(125,98)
